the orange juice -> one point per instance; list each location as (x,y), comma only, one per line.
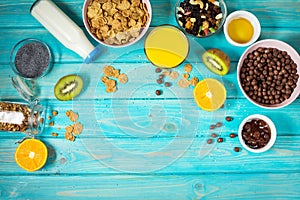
(166,46)
(240,30)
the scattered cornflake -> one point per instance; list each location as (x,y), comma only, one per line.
(54,113)
(194,81)
(77,128)
(185,75)
(188,68)
(49,117)
(51,123)
(123,78)
(108,70)
(166,73)
(69,129)
(72,115)
(69,136)
(54,134)
(174,75)
(111,84)
(183,83)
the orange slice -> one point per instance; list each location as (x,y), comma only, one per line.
(209,94)
(31,154)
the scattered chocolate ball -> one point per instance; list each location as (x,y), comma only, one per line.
(220,140)
(161,76)
(232,135)
(211,127)
(229,119)
(236,149)
(209,141)
(219,124)
(159,81)
(158,92)
(158,70)
(168,84)
(214,135)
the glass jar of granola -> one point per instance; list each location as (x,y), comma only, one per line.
(22,117)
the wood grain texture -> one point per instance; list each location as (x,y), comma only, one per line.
(207,186)
(137,155)
(270,13)
(63,55)
(136,145)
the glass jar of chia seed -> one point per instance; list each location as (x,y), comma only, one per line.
(31,59)
(27,118)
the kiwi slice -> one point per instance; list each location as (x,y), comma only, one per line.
(68,87)
(216,61)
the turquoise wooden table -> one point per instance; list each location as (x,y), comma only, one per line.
(136,145)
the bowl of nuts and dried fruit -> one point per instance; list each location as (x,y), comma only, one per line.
(201,18)
(257,133)
(117,23)
(268,74)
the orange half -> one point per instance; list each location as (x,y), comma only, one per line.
(209,94)
(31,155)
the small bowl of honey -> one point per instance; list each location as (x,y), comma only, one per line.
(241,28)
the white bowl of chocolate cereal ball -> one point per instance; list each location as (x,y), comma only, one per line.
(257,133)
(117,23)
(268,74)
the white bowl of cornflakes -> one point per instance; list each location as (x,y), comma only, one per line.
(117,23)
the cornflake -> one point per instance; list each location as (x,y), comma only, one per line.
(77,128)
(183,83)
(117,22)
(188,68)
(111,84)
(174,75)
(123,78)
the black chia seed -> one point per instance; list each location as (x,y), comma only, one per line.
(32,60)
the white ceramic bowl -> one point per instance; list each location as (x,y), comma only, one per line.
(283,47)
(272,129)
(251,18)
(142,33)
(223,7)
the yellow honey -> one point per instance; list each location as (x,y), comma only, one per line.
(240,30)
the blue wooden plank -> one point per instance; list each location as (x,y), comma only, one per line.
(64,55)
(207,186)
(275,13)
(88,156)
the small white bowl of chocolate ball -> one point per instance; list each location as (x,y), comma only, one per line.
(268,74)
(257,133)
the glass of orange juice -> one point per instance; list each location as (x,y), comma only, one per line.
(166,46)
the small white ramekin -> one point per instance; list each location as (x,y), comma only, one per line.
(251,18)
(272,129)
